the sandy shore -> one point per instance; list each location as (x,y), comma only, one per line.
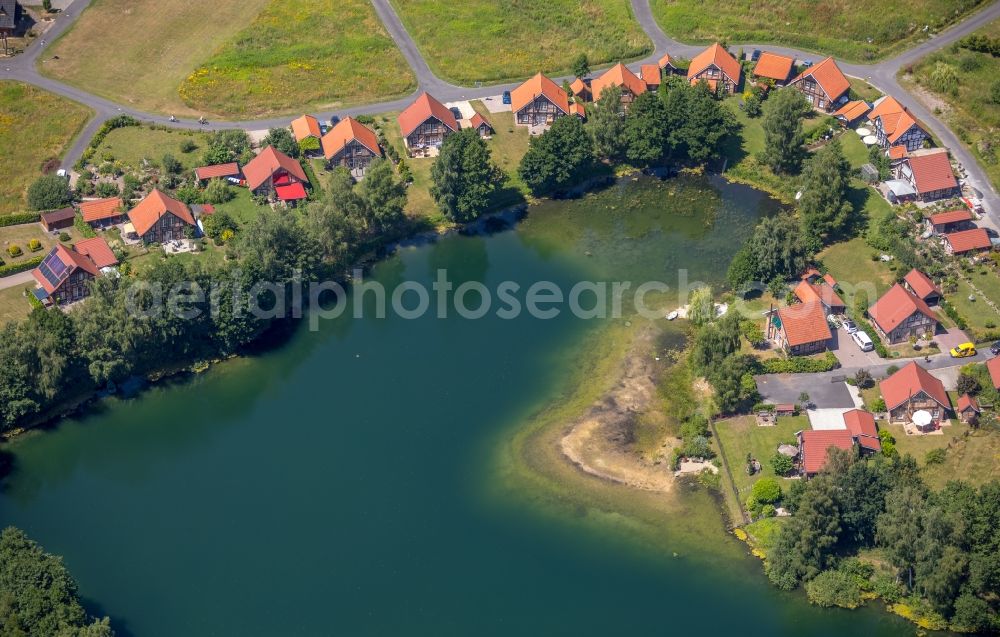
(600,443)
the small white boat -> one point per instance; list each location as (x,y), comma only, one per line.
(673,315)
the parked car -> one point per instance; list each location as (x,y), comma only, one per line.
(506,97)
(863,340)
(850,326)
(995,348)
(755,55)
(963,350)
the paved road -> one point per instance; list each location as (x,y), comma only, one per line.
(21,278)
(882,75)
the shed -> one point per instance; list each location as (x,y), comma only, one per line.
(58,219)
(784,409)
(869,173)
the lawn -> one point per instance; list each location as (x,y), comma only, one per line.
(864,90)
(241,207)
(486,41)
(35,127)
(20,234)
(419,202)
(975,457)
(740,436)
(850,263)
(977,313)
(13,305)
(301,53)
(139,51)
(132,144)
(842,29)
(960,85)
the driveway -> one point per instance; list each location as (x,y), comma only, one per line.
(824,392)
(848,352)
(14,280)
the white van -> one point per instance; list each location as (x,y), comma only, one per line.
(863,341)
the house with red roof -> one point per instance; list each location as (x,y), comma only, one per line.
(967,409)
(823,293)
(930,174)
(950,221)
(275,174)
(306,127)
(895,126)
(650,74)
(799,329)
(159,218)
(967,242)
(815,445)
(667,66)
(481,125)
(581,89)
(898,315)
(218,171)
(921,286)
(993,367)
(717,67)
(619,75)
(351,144)
(862,426)
(774,67)
(101,213)
(539,101)
(426,122)
(64,274)
(913,389)
(852,112)
(824,85)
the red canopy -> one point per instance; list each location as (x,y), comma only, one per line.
(291,192)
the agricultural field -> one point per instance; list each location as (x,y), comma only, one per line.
(481,40)
(140,51)
(852,29)
(35,127)
(962,86)
(299,53)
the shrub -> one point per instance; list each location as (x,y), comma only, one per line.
(834,588)
(781,464)
(18,218)
(14,250)
(14,268)
(188,146)
(935,456)
(49,192)
(968,384)
(766,491)
(878,405)
(64,236)
(170,164)
(799,365)
(890,370)
(34,245)
(218,191)
(108,189)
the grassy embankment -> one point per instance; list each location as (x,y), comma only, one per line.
(35,127)
(957,84)
(483,41)
(228,58)
(841,29)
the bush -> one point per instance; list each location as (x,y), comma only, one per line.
(64,236)
(107,189)
(766,491)
(188,146)
(18,218)
(14,268)
(798,365)
(781,464)
(170,164)
(217,191)
(890,370)
(34,245)
(14,250)
(935,456)
(834,588)
(49,192)
(878,405)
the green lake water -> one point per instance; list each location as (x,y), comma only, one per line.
(346,483)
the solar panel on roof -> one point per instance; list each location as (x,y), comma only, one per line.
(53,269)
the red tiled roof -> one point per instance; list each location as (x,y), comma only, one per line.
(421,110)
(898,152)
(577,109)
(895,306)
(232,169)
(829,77)
(290,192)
(478,120)
(156,204)
(885,106)
(974,239)
(579,87)
(268,162)
(852,110)
(832,282)
(718,56)
(816,444)
(966,401)
(993,367)
(809,293)
(861,424)
(98,250)
(72,260)
(306,126)
(650,74)
(774,66)
(618,75)
(932,171)
(346,131)
(907,382)
(952,216)
(804,323)
(101,208)
(895,125)
(921,284)
(665,61)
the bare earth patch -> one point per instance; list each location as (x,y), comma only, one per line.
(600,443)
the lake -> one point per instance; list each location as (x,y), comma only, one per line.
(374,477)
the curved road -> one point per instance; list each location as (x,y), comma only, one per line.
(882,75)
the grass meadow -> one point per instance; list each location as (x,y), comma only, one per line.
(299,53)
(35,126)
(853,30)
(481,40)
(132,144)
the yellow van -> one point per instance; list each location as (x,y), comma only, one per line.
(963,350)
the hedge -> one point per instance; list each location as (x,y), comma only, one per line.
(119,121)
(798,365)
(17,218)
(14,268)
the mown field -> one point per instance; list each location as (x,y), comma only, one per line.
(35,126)
(298,53)
(139,51)
(132,144)
(483,40)
(963,86)
(850,29)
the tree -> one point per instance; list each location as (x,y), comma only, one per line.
(384,196)
(834,588)
(968,384)
(170,164)
(48,192)
(581,66)
(218,223)
(218,191)
(824,205)
(231,144)
(805,546)
(463,176)
(804,399)
(699,124)
(645,136)
(607,126)
(781,464)
(899,525)
(701,307)
(558,157)
(777,248)
(863,378)
(742,269)
(766,491)
(281,138)
(783,135)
